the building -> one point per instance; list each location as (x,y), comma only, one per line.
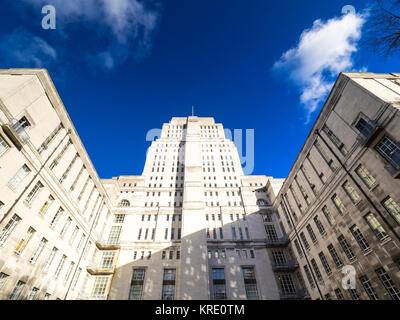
(340,202)
(192,226)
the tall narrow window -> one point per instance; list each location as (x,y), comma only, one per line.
(137,282)
(250,282)
(99,287)
(362,242)
(309,277)
(114,235)
(369,289)
(339,144)
(24,241)
(339,205)
(325,263)
(351,192)
(393,208)
(17,290)
(365,176)
(336,259)
(219,287)
(60,266)
(390,150)
(19,176)
(50,259)
(376,226)
(316,269)
(56,217)
(11,224)
(168,287)
(319,225)
(34,192)
(328,215)
(388,283)
(38,250)
(3,146)
(346,248)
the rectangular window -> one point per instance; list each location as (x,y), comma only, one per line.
(68,273)
(304,240)
(137,282)
(346,248)
(325,263)
(364,127)
(114,235)
(19,176)
(388,283)
(50,259)
(11,224)
(351,192)
(365,176)
(376,227)
(34,192)
(99,287)
(316,270)
(391,206)
(271,232)
(336,259)
(233,233)
(250,282)
(325,156)
(24,241)
(56,217)
(60,266)
(218,277)
(335,140)
(362,242)
(390,150)
(3,146)
(17,290)
(339,294)
(168,287)
(286,284)
(369,289)
(328,215)
(3,279)
(339,205)
(65,227)
(46,205)
(309,277)
(316,168)
(319,225)
(311,233)
(297,245)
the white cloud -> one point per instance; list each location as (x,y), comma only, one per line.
(322,52)
(125,26)
(23,49)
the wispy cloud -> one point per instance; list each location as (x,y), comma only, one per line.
(323,51)
(121,28)
(23,49)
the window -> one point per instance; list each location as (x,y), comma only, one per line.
(60,265)
(66,227)
(362,242)
(168,288)
(351,192)
(119,218)
(365,176)
(336,259)
(390,150)
(50,259)
(339,205)
(311,233)
(388,283)
(115,232)
(325,263)
(339,294)
(375,226)
(19,176)
(261,202)
(309,277)
(297,245)
(325,156)
(271,233)
(369,289)
(68,273)
(319,225)
(364,127)
(346,248)
(250,282)
(316,270)
(3,279)
(279,257)
(218,277)
(99,287)
(3,145)
(124,203)
(4,234)
(392,207)
(328,215)
(137,282)
(335,140)
(304,240)
(17,290)
(286,284)
(24,241)
(56,217)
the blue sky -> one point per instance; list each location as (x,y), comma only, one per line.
(123,67)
